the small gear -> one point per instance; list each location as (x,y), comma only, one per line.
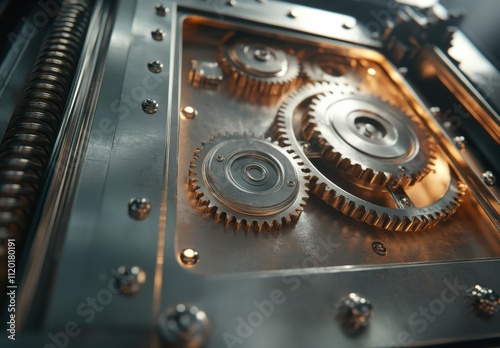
(248,181)
(257,68)
(369,139)
(396,209)
(321,66)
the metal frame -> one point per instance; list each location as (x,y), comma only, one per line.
(132,154)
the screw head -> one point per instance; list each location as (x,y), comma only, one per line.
(139,208)
(459,142)
(489,178)
(189,256)
(161,10)
(130,279)
(189,112)
(158,34)
(155,66)
(231,2)
(485,301)
(405,201)
(355,312)
(150,106)
(184,326)
(379,248)
(220,158)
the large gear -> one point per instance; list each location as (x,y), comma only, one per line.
(248,181)
(396,209)
(369,139)
(257,68)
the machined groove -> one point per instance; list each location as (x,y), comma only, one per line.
(34,126)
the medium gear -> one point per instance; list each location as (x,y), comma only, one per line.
(396,209)
(257,68)
(369,139)
(249,181)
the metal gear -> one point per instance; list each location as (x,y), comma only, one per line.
(414,208)
(257,68)
(369,139)
(248,181)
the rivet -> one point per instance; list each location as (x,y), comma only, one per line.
(189,256)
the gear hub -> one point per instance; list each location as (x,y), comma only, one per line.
(257,68)
(398,208)
(369,139)
(249,181)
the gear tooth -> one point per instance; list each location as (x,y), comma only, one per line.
(359,213)
(222,210)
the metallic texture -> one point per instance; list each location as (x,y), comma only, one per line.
(369,139)
(34,126)
(155,66)
(161,10)
(129,280)
(379,248)
(189,112)
(248,181)
(189,256)
(258,68)
(351,197)
(184,326)
(158,34)
(139,208)
(355,312)
(460,142)
(205,74)
(324,66)
(484,300)
(489,178)
(150,106)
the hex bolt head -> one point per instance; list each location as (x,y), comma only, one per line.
(189,256)
(489,178)
(155,66)
(485,301)
(355,312)
(379,248)
(184,326)
(129,279)
(150,106)
(161,10)
(139,208)
(158,34)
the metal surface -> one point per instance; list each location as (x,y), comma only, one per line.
(369,139)
(248,181)
(298,273)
